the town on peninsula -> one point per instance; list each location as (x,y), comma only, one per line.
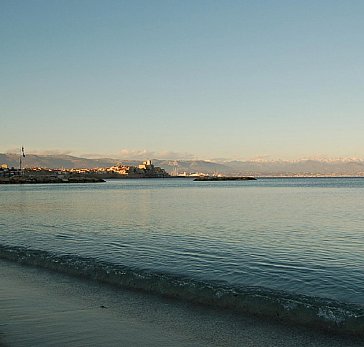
(79,175)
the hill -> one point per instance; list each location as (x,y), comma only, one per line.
(339,167)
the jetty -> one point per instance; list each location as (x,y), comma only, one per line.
(48,179)
(224,178)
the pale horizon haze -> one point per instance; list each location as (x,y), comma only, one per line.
(183,79)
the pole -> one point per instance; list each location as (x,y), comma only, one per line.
(20,161)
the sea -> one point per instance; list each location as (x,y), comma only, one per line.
(286,248)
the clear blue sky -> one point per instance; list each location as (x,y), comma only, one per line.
(231,79)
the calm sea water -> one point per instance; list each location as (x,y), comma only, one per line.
(302,236)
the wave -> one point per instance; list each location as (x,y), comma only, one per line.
(314,312)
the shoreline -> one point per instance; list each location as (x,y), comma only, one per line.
(312,312)
(42,307)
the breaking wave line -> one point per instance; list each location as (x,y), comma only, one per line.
(314,312)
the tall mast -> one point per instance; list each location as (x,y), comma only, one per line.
(20,158)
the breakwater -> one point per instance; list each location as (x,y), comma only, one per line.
(48,179)
(218,178)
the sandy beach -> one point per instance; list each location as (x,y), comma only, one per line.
(42,308)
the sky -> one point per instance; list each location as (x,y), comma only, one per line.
(183,79)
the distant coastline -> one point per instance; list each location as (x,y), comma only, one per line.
(274,168)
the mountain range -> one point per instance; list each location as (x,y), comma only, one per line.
(338,167)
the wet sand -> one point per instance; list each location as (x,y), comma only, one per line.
(42,308)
